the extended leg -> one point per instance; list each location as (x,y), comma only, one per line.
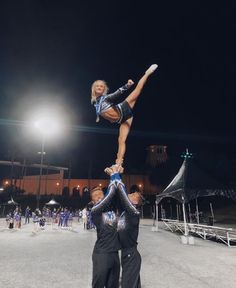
(132,98)
(113,278)
(106,270)
(131,265)
(100,270)
(123,134)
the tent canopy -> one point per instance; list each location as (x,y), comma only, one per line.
(52,202)
(191,182)
(10,202)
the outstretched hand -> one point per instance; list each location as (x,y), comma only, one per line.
(130,82)
(116,168)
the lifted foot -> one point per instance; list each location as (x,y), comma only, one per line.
(116,168)
(108,171)
(151,69)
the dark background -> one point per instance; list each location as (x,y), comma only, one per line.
(51,52)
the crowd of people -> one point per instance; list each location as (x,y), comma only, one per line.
(13,218)
(62,217)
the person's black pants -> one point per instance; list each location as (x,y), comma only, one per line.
(106,270)
(131,265)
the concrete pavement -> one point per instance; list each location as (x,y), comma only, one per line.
(62,258)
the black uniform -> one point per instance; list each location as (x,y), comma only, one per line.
(128,230)
(105,102)
(106,263)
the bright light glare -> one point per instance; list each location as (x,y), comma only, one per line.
(47,126)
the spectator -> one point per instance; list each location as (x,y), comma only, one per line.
(61,217)
(84,217)
(70,219)
(17,218)
(27,215)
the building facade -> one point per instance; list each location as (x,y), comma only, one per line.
(55,184)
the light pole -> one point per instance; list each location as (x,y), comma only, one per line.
(41,168)
(46,126)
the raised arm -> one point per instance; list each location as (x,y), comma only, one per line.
(114,96)
(125,202)
(102,205)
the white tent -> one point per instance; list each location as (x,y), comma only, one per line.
(192,182)
(52,202)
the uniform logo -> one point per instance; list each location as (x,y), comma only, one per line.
(109,218)
(121,222)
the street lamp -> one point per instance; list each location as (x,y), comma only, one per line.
(46,127)
(41,168)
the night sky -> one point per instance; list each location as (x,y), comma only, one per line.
(52,51)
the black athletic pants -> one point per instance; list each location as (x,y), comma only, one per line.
(106,270)
(131,265)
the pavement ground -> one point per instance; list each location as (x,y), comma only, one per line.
(62,258)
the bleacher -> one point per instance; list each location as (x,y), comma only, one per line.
(206,232)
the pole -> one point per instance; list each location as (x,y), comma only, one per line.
(41,170)
(46,182)
(183,201)
(180,212)
(156,215)
(184,215)
(155,218)
(189,213)
(197,211)
(212,213)
(25,172)
(177,211)
(69,176)
(12,171)
(171,212)
(22,175)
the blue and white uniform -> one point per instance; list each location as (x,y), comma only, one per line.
(106,264)
(105,102)
(128,230)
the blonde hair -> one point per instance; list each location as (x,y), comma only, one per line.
(93,96)
(96,189)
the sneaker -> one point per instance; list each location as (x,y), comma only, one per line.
(151,69)
(117,168)
(108,171)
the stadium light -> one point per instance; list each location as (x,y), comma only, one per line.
(46,126)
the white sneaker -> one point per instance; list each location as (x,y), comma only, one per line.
(108,170)
(151,69)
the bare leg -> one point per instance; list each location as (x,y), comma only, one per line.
(123,134)
(125,127)
(132,98)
